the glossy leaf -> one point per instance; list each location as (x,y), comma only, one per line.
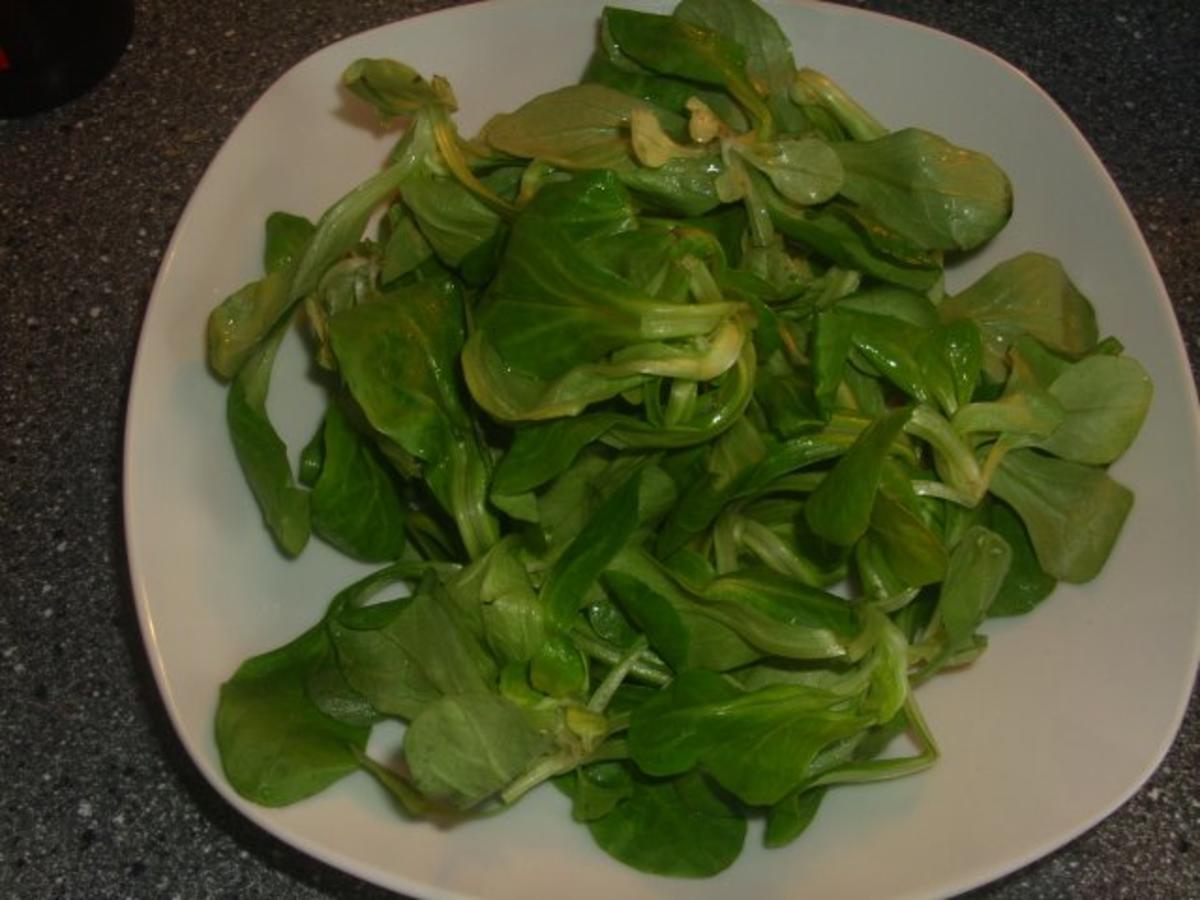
(757,744)
(839,510)
(769,62)
(287,235)
(941,196)
(1026,585)
(671,46)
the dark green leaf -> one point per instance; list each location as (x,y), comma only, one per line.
(287,236)
(839,510)
(598,788)
(276,747)
(791,816)
(356,505)
(263,455)
(671,46)
(1026,584)
(543,451)
(977,570)
(757,744)
(605,533)
(679,828)
(398,356)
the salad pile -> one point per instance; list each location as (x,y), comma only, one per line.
(682,462)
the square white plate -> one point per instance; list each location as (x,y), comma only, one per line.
(1061,720)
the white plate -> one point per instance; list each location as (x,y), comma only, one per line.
(1061,720)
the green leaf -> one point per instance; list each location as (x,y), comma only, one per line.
(263,455)
(769,61)
(791,816)
(332,694)
(780,615)
(834,237)
(671,46)
(941,196)
(582,126)
(683,632)
(810,89)
(806,171)
(392,88)
(287,236)
(276,747)
(1073,512)
(463,749)
(831,342)
(559,329)
(757,744)
(355,502)
(606,532)
(541,452)
(241,322)
(1026,584)
(406,654)
(978,567)
(398,356)
(1028,294)
(341,226)
(892,302)
(245,320)
(454,221)
(405,249)
(681,187)
(910,547)
(407,796)
(496,589)
(679,827)
(661,92)
(596,789)
(558,668)
(1104,401)
(839,510)
(888,344)
(951,358)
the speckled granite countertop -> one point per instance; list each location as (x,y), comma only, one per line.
(98,798)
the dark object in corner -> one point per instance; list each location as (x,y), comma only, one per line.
(53,50)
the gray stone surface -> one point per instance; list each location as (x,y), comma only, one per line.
(97,797)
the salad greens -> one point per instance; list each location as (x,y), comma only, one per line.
(683,462)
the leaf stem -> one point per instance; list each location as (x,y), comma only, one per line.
(541,771)
(612,681)
(646,667)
